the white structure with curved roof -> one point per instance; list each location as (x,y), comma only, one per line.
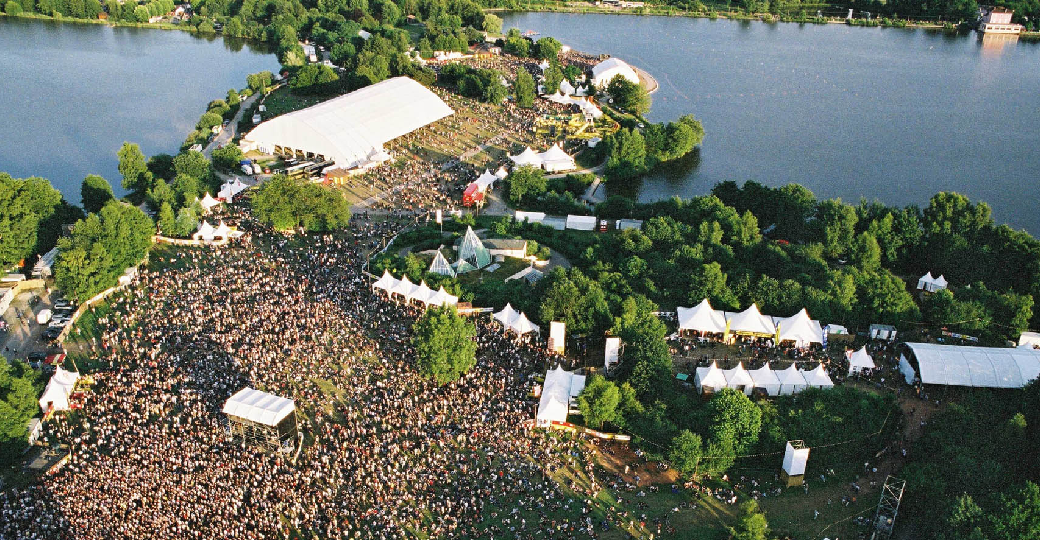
(990,367)
(605,71)
(352,129)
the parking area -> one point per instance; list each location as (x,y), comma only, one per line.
(31,324)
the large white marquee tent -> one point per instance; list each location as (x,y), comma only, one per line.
(605,71)
(750,321)
(560,387)
(56,396)
(800,329)
(352,129)
(701,318)
(988,367)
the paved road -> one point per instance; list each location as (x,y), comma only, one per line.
(229,132)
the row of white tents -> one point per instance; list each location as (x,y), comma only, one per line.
(588,108)
(774,382)
(230,189)
(410,292)
(552,160)
(516,321)
(209,233)
(799,328)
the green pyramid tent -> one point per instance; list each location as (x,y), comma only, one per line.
(473,251)
(440,266)
(461,267)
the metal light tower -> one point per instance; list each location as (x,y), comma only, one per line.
(888,507)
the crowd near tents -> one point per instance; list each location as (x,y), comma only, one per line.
(408,292)
(772,382)
(799,329)
(559,390)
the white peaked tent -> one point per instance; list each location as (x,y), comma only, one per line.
(386,282)
(818,378)
(206,232)
(557,97)
(555,159)
(710,377)
(208,202)
(800,329)
(521,325)
(527,157)
(582,91)
(222,231)
(751,321)
(766,379)
(566,88)
(58,390)
(501,173)
(403,287)
(791,381)
(932,284)
(440,265)
(544,65)
(506,316)
(940,282)
(925,281)
(442,298)
(486,180)
(422,293)
(860,360)
(739,378)
(701,318)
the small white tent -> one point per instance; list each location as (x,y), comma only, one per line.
(791,381)
(560,387)
(403,287)
(206,232)
(925,281)
(555,159)
(527,157)
(860,360)
(751,321)
(486,180)
(422,293)
(56,396)
(766,379)
(521,325)
(208,202)
(506,316)
(818,378)
(222,231)
(442,298)
(701,318)
(710,377)
(739,379)
(386,282)
(800,329)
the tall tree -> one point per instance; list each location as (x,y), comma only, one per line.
(524,88)
(95,193)
(598,401)
(132,166)
(444,345)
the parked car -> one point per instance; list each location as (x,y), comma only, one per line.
(58,323)
(36,359)
(62,304)
(50,334)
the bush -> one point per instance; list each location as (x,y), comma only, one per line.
(13,8)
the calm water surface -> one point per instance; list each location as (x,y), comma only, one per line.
(891,114)
(72,93)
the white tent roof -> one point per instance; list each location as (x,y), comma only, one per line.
(941,282)
(581,223)
(990,367)
(710,376)
(739,376)
(566,88)
(750,320)
(506,316)
(925,280)
(404,287)
(559,387)
(442,298)
(818,378)
(58,390)
(800,328)
(208,202)
(423,293)
(765,377)
(527,157)
(502,172)
(701,318)
(1029,339)
(259,407)
(206,231)
(791,380)
(486,180)
(555,153)
(521,325)
(386,282)
(603,72)
(860,360)
(222,230)
(544,65)
(349,128)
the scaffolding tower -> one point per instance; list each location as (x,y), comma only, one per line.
(888,507)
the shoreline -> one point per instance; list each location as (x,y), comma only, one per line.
(647,80)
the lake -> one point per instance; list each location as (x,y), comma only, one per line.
(72,93)
(892,114)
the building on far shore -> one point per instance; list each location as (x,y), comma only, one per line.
(997,20)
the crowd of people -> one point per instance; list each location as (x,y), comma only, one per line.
(385,454)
